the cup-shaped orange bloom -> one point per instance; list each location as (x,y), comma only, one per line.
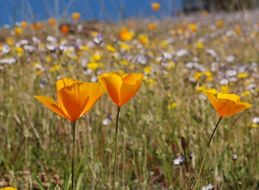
(18,31)
(226,104)
(76,16)
(65,28)
(155,6)
(125,34)
(36,26)
(52,21)
(121,88)
(152,26)
(8,188)
(24,24)
(74,98)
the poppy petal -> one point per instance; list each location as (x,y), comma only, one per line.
(64,82)
(213,100)
(128,91)
(94,92)
(232,97)
(51,104)
(72,99)
(132,78)
(112,82)
(236,108)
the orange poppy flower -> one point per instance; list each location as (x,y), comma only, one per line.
(76,16)
(193,27)
(227,104)
(36,26)
(121,88)
(18,31)
(152,26)
(65,28)
(24,24)
(74,98)
(8,188)
(125,34)
(155,6)
(52,21)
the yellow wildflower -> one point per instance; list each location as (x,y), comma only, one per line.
(200,88)
(84,48)
(197,75)
(97,56)
(242,75)
(110,48)
(225,89)
(199,45)
(124,46)
(245,93)
(10,41)
(193,27)
(171,106)
(55,68)
(147,70)
(143,39)
(19,51)
(94,65)
(18,31)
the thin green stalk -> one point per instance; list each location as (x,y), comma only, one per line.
(205,156)
(115,150)
(73,125)
(92,166)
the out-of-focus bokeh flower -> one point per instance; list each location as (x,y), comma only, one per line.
(125,34)
(52,21)
(193,27)
(18,31)
(65,29)
(143,39)
(76,16)
(24,24)
(155,6)
(152,26)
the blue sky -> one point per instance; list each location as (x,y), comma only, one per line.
(12,11)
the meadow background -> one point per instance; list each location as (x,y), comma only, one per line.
(180,56)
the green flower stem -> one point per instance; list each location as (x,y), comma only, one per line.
(205,156)
(115,150)
(73,125)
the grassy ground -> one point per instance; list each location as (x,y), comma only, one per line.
(179,58)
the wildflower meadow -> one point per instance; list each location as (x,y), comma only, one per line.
(152,104)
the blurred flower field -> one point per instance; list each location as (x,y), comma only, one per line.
(163,131)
